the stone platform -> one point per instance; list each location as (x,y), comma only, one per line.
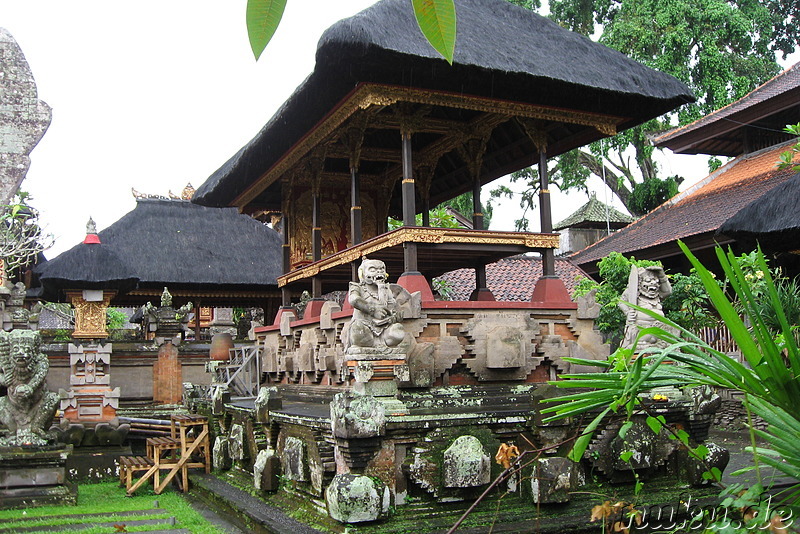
(35,476)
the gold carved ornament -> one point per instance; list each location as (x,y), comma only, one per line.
(418,234)
(90,316)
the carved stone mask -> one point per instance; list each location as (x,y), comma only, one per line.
(372,271)
(648,285)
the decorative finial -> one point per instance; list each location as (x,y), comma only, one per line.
(91,233)
(188,192)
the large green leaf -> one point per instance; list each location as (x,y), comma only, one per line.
(263,17)
(437,20)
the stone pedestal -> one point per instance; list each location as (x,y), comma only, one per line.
(90,399)
(167,376)
(35,476)
(223,322)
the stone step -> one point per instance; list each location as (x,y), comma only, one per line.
(125,524)
(151,511)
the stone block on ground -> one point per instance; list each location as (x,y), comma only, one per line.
(220,456)
(293,460)
(357,498)
(265,471)
(466,465)
(553,479)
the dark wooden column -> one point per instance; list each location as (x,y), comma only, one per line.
(197,304)
(355,206)
(472,152)
(409,203)
(477,213)
(545,215)
(424,173)
(286,295)
(316,241)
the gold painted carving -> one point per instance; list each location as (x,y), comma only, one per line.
(416,234)
(90,317)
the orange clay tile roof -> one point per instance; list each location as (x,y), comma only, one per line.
(511,279)
(701,209)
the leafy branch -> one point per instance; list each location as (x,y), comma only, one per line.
(787,157)
(21,236)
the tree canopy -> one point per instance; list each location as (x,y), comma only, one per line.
(722,49)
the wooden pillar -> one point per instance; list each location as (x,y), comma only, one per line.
(409,206)
(286,296)
(426,212)
(355,215)
(424,174)
(477,212)
(316,241)
(197,305)
(355,206)
(545,215)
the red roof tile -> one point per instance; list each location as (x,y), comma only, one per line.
(511,279)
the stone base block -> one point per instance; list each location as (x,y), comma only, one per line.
(266,470)
(35,476)
(95,463)
(553,479)
(357,498)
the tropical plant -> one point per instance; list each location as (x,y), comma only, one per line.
(787,157)
(438,217)
(688,305)
(768,377)
(115,318)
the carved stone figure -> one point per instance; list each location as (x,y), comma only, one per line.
(376,312)
(28,408)
(166,298)
(647,287)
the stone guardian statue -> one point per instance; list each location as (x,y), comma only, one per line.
(376,326)
(28,408)
(647,287)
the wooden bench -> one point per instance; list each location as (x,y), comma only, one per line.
(174,453)
(130,465)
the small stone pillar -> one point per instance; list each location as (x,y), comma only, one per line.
(223,323)
(167,375)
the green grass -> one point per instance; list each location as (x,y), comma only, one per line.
(108,498)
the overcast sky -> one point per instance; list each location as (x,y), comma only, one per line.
(155,94)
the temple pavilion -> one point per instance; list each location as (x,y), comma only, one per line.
(384,127)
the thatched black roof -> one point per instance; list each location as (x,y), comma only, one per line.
(176,244)
(771,218)
(87,266)
(502,52)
